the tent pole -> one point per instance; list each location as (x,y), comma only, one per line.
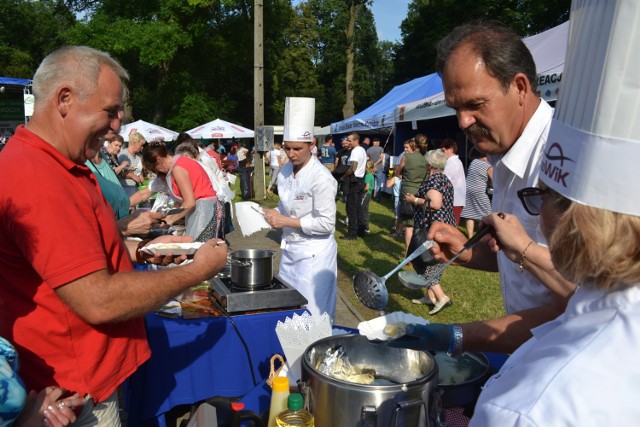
(393,128)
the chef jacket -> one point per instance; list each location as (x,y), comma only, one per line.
(309,254)
(578,370)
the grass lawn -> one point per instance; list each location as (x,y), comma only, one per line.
(475,294)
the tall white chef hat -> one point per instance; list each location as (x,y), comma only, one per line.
(299,115)
(593,149)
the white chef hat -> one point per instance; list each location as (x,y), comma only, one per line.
(299,115)
(593,149)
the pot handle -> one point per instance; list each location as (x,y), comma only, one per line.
(368,416)
(403,406)
(238,262)
(435,403)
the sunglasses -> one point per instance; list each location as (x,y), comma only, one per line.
(531,198)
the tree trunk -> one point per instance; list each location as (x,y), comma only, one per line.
(163,78)
(348,109)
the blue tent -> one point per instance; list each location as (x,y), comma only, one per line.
(382,113)
(15,82)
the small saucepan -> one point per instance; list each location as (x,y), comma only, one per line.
(251,268)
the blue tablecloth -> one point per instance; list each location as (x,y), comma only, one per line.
(197,359)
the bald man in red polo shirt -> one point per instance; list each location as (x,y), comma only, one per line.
(69,298)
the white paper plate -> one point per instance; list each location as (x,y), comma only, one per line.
(374,329)
(172,248)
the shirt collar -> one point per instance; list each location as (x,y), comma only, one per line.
(588,299)
(518,156)
(32,139)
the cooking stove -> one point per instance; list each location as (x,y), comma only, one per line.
(277,295)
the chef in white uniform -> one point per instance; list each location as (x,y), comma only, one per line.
(582,369)
(306,213)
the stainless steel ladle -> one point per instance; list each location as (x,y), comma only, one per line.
(370,289)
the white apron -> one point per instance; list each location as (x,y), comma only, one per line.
(309,263)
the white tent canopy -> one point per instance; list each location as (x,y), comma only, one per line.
(220,129)
(150,131)
(548,49)
(324,131)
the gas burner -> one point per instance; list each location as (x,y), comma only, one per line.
(276,295)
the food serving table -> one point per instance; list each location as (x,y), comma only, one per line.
(195,359)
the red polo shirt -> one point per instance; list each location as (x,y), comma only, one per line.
(56,227)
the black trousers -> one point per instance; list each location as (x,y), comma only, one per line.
(366,198)
(355,211)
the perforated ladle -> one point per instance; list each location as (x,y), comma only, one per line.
(370,289)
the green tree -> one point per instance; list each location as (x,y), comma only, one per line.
(295,70)
(187,55)
(332,24)
(192,61)
(355,7)
(29,31)
(428,21)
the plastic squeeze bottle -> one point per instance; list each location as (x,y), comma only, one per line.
(279,395)
(295,415)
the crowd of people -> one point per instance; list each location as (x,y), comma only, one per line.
(566,251)
(364,174)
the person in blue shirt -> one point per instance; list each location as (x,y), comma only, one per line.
(328,154)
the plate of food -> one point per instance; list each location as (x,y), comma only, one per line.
(172,248)
(390,326)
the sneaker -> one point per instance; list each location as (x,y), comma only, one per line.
(366,230)
(424,301)
(345,221)
(441,305)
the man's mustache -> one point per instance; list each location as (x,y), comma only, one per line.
(476,130)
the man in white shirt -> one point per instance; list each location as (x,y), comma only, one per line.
(489,79)
(274,165)
(455,172)
(242,155)
(356,171)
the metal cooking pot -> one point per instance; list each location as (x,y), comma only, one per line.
(403,393)
(251,268)
(461,377)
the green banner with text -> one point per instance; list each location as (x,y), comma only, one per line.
(12,109)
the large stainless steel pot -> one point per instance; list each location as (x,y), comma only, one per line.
(251,268)
(402,395)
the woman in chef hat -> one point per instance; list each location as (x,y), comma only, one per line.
(306,213)
(582,368)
